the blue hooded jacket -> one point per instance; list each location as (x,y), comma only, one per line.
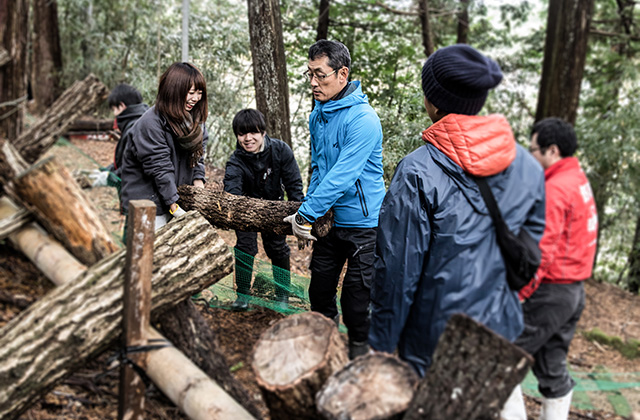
(346,158)
(437,252)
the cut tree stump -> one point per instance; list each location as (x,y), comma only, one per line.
(373,387)
(293,359)
(51,194)
(74,323)
(228,211)
(74,102)
(473,373)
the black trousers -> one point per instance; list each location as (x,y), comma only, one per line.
(550,318)
(355,246)
(278,252)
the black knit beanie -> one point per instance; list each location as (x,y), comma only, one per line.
(457,79)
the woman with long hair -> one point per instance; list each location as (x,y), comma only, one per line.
(168,143)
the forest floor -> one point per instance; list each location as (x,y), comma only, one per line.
(608,382)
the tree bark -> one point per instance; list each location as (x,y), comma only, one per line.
(473,373)
(463,22)
(425,23)
(565,52)
(270,67)
(11,162)
(322,31)
(12,219)
(4,57)
(228,211)
(293,359)
(634,260)
(191,334)
(51,194)
(375,386)
(89,125)
(76,322)
(74,102)
(46,60)
(14,15)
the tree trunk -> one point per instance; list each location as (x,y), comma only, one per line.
(463,22)
(270,67)
(473,373)
(228,211)
(4,57)
(322,31)
(51,194)
(293,359)
(185,327)
(74,323)
(14,15)
(46,60)
(565,53)
(375,386)
(425,23)
(634,260)
(74,102)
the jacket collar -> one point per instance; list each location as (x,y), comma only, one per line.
(563,165)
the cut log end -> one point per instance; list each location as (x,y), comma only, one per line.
(375,386)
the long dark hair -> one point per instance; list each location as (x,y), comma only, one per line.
(174,85)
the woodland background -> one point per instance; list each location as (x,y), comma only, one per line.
(576,59)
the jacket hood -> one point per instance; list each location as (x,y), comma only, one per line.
(354,96)
(480,145)
(130,115)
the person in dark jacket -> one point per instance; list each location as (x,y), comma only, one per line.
(167,145)
(346,158)
(436,251)
(261,167)
(126,104)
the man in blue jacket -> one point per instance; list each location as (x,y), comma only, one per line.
(437,252)
(346,159)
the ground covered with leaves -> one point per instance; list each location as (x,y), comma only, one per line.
(604,355)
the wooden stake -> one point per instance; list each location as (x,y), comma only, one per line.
(137,305)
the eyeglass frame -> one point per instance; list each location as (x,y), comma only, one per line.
(542,150)
(309,75)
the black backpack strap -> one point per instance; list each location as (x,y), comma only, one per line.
(490,201)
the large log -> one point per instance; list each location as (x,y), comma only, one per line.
(74,323)
(375,386)
(293,359)
(87,124)
(191,334)
(79,98)
(228,211)
(473,373)
(49,191)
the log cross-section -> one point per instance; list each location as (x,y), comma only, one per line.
(473,373)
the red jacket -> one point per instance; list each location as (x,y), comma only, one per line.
(568,244)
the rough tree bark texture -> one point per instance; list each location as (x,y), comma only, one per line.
(565,52)
(473,373)
(228,211)
(12,218)
(49,191)
(270,66)
(425,22)
(14,15)
(4,57)
(184,326)
(46,60)
(74,102)
(74,323)
(11,162)
(375,386)
(293,359)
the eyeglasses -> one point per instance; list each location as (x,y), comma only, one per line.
(319,77)
(533,149)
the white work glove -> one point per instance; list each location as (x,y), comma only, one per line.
(98,178)
(178,212)
(301,230)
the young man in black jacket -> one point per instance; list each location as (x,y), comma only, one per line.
(261,167)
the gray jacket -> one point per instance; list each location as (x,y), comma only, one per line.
(153,167)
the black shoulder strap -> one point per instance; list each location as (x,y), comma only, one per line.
(490,201)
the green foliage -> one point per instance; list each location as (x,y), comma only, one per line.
(629,349)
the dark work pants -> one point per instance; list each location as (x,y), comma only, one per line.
(550,317)
(356,247)
(278,252)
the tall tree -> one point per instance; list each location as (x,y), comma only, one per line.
(46,60)
(427,39)
(463,22)
(13,76)
(323,20)
(269,66)
(565,53)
